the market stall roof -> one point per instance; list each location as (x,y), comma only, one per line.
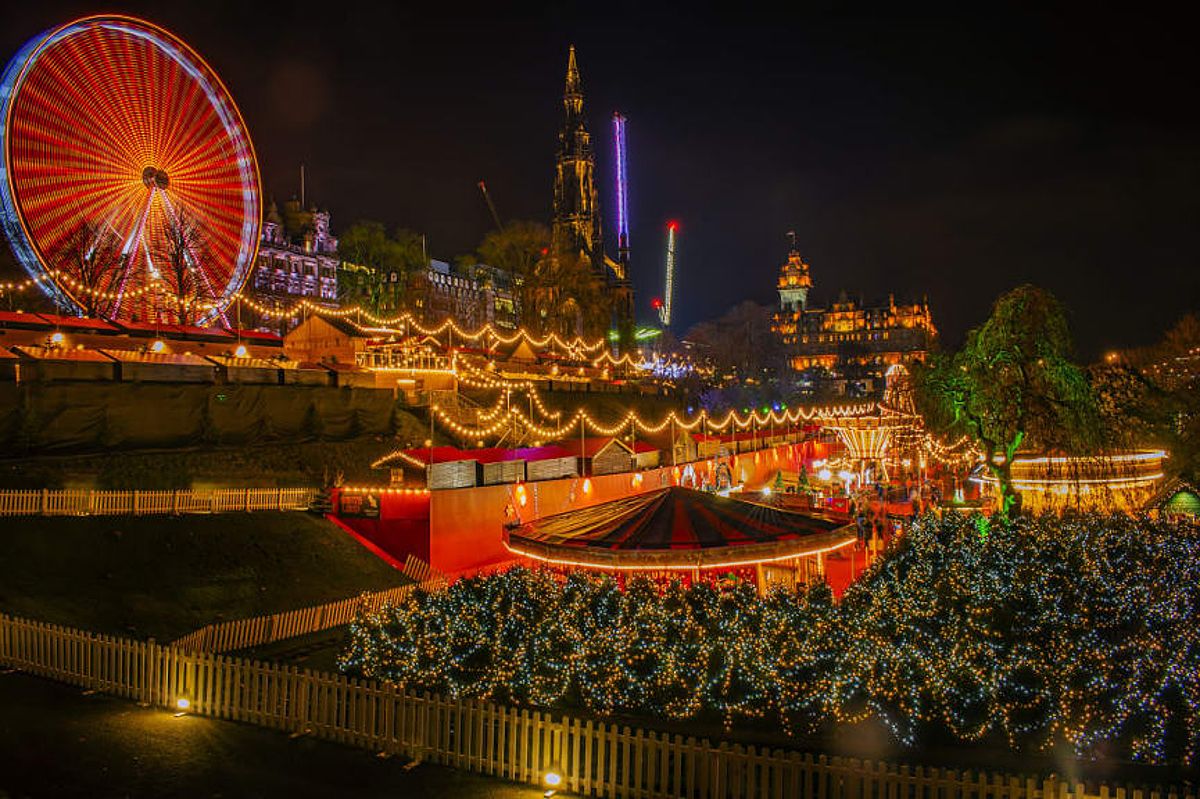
(676,528)
(191,332)
(260,336)
(24,320)
(61,354)
(591,446)
(172,358)
(443,454)
(543,453)
(78,323)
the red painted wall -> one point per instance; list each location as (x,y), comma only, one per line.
(402,528)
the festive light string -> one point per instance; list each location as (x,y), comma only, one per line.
(406,319)
(493,421)
(630,421)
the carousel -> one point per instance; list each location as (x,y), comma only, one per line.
(680,532)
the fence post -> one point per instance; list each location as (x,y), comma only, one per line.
(175,502)
(135,502)
(45,498)
(246,500)
(279,499)
(149,673)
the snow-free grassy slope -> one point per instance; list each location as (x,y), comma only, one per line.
(161,577)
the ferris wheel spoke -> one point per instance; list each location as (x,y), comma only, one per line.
(129,247)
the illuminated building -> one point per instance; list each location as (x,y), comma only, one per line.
(576,228)
(847,343)
(473,295)
(301,263)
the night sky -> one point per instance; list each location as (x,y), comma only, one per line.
(948,153)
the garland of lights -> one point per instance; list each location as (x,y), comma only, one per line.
(1050,631)
(506,416)
(407,320)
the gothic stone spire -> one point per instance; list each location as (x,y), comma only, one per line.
(576,226)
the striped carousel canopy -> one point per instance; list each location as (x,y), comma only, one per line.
(677,528)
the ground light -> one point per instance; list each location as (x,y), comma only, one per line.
(553,780)
(158,346)
(240,352)
(184,705)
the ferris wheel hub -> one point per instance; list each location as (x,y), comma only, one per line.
(152,178)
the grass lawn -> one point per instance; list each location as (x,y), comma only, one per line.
(161,577)
(54,741)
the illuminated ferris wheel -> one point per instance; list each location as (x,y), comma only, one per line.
(130,186)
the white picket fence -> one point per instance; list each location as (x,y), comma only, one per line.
(84,502)
(594,758)
(230,636)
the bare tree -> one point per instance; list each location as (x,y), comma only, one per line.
(91,264)
(183,250)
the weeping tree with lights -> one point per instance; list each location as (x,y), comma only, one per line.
(1013,386)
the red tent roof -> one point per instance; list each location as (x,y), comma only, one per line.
(677,528)
(589,447)
(47,321)
(257,335)
(177,331)
(77,323)
(439,454)
(492,455)
(548,452)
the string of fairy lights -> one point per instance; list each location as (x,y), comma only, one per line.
(1050,632)
(406,321)
(501,417)
(78,288)
(497,420)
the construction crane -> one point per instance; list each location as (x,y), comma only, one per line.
(491,206)
(664,311)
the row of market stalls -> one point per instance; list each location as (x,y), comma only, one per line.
(43,346)
(452,467)
(404,357)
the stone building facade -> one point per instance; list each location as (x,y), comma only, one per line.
(847,345)
(299,266)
